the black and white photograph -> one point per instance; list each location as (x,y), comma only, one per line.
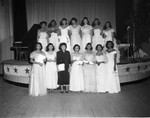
(74,58)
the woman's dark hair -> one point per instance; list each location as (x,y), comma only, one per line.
(62,45)
(98,45)
(93,23)
(82,22)
(47,47)
(43,22)
(109,25)
(75,19)
(38,43)
(76,45)
(50,24)
(112,44)
(87,46)
(61,22)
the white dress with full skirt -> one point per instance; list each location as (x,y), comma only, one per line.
(37,84)
(97,38)
(75,36)
(51,71)
(43,39)
(108,34)
(76,74)
(113,77)
(64,38)
(101,74)
(89,73)
(86,36)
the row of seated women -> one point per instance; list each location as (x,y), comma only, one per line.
(76,34)
(77,72)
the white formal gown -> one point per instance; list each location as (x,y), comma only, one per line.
(43,39)
(75,36)
(51,71)
(89,73)
(64,38)
(101,74)
(113,77)
(37,84)
(97,38)
(76,74)
(86,36)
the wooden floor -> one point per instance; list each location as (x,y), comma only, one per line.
(133,100)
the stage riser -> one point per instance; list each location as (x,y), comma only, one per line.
(127,72)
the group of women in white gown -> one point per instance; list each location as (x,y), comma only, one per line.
(77,34)
(92,64)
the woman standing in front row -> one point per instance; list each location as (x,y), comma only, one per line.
(51,69)
(112,71)
(37,85)
(63,63)
(89,69)
(101,70)
(76,74)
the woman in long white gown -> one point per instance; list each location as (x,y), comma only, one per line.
(64,33)
(112,70)
(76,74)
(97,31)
(75,33)
(51,68)
(101,70)
(86,33)
(37,84)
(89,69)
(109,36)
(53,34)
(42,35)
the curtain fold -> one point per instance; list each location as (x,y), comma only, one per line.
(46,10)
(6,30)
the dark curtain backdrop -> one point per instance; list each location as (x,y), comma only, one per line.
(6,29)
(46,10)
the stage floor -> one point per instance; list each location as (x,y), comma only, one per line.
(129,70)
(132,101)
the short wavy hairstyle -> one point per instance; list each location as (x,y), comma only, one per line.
(62,45)
(93,23)
(75,19)
(47,47)
(50,24)
(61,22)
(98,46)
(109,25)
(82,22)
(90,45)
(43,22)
(112,44)
(38,43)
(76,45)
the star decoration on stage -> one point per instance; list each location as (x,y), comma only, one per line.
(7,69)
(127,69)
(15,69)
(138,67)
(27,70)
